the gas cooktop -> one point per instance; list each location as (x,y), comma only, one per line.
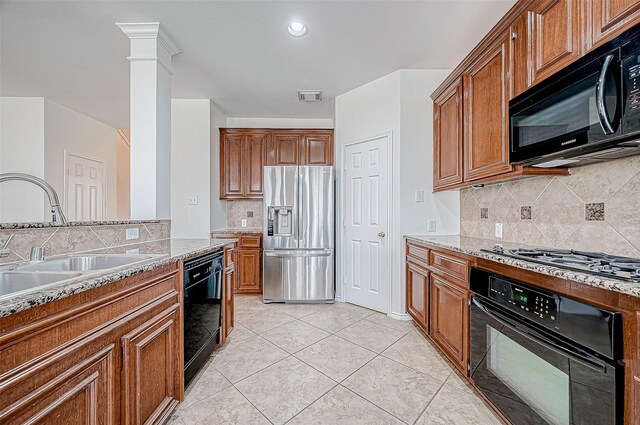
(623,268)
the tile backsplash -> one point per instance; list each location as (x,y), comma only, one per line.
(596,208)
(252,210)
(71,239)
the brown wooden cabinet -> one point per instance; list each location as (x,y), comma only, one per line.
(519,55)
(486,95)
(247,267)
(608,18)
(447,137)
(555,36)
(245,151)
(228,292)
(317,149)
(108,355)
(418,295)
(449,320)
(284,148)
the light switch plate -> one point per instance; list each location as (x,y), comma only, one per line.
(431,225)
(243,222)
(133,233)
(419,195)
(193,200)
(498,230)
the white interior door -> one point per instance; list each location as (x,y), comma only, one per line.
(366,202)
(85,189)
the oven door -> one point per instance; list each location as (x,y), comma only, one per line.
(569,115)
(534,378)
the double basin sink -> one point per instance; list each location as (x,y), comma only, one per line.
(25,277)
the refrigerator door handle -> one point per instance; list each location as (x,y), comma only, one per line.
(286,254)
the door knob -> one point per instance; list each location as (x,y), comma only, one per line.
(381,234)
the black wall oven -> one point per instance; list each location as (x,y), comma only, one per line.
(202,310)
(544,359)
(587,112)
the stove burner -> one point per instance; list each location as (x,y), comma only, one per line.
(591,262)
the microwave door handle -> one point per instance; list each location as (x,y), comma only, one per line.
(601,107)
(586,361)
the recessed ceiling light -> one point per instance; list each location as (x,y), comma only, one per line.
(297,29)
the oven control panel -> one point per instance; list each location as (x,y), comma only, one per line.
(534,304)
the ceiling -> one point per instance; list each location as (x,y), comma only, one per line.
(237,53)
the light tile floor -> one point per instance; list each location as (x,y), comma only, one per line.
(327,364)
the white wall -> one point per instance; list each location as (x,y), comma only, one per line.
(22,151)
(233,122)
(78,134)
(218,207)
(190,167)
(398,103)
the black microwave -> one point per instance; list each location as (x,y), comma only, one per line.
(588,112)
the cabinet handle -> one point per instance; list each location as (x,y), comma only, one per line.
(514,35)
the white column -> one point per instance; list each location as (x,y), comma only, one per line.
(150,87)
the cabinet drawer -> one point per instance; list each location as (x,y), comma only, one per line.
(250,242)
(449,265)
(418,253)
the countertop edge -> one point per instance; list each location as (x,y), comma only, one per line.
(22,302)
(574,276)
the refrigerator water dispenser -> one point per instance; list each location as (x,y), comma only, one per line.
(280,221)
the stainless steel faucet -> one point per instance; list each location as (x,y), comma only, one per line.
(56,212)
(5,251)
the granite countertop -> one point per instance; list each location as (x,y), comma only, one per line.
(164,252)
(237,230)
(473,246)
(40,224)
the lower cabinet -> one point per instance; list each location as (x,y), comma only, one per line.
(228,290)
(110,355)
(449,320)
(418,295)
(249,271)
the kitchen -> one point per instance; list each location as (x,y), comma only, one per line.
(444,233)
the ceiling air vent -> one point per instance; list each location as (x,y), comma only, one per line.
(310,95)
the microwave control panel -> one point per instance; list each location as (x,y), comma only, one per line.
(631,78)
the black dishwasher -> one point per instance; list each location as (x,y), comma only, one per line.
(202,310)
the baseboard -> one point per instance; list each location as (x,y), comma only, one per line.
(397,316)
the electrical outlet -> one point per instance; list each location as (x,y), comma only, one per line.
(243,222)
(419,195)
(498,230)
(133,233)
(193,200)
(249,214)
(431,225)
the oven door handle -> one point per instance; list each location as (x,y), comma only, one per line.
(600,105)
(540,339)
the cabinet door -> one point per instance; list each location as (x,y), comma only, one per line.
(75,386)
(231,173)
(228,300)
(608,18)
(418,295)
(447,137)
(486,134)
(248,267)
(519,55)
(449,321)
(284,149)
(253,163)
(317,149)
(151,368)
(555,36)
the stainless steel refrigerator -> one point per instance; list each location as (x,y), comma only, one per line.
(299,234)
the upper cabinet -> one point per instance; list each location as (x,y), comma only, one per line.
(447,137)
(486,96)
(317,149)
(608,18)
(555,36)
(532,42)
(245,152)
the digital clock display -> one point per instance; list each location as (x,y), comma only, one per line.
(520,297)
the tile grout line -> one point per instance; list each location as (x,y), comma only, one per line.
(431,400)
